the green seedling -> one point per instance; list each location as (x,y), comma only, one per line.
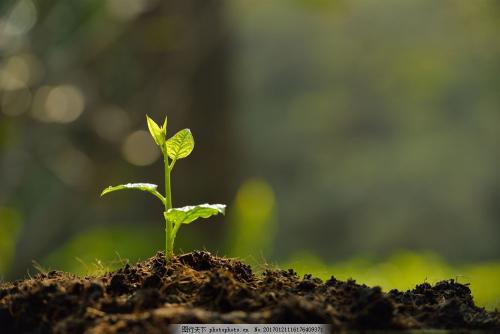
(177,147)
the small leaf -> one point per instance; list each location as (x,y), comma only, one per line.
(164,127)
(180,145)
(156,132)
(151,188)
(189,214)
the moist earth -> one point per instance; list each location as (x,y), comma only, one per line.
(198,287)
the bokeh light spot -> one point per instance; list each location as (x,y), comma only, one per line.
(21,18)
(139,149)
(60,104)
(111,123)
(71,166)
(256,199)
(14,74)
(64,104)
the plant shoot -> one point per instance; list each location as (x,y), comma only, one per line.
(177,147)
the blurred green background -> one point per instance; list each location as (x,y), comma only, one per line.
(349,138)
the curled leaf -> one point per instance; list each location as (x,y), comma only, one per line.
(149,187)
(164,126)
(188,214)
(158,134)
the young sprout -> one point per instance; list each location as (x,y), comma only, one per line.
(177,147)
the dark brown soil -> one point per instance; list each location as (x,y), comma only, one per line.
(200,288)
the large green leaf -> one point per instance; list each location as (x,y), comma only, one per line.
(180,145)
(158,133)
(151,188)
(189,214)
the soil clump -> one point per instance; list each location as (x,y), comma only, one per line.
(198,287)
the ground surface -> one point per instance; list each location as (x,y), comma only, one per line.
(200,288)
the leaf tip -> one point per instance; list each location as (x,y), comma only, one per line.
(158,133)
(164,127)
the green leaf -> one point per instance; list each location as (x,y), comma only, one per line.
(180,145)
(189,214)
(151,188)
(164,127)
(156,132)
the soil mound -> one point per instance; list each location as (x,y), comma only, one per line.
(200,288)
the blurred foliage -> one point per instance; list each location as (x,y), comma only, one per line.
(376,122)
(106,248)
(252,222)
(405,269)
(10,225)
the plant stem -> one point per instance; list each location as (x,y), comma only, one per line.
(174,233)
(169,251)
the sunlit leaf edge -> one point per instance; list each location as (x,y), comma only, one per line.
(188,214)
